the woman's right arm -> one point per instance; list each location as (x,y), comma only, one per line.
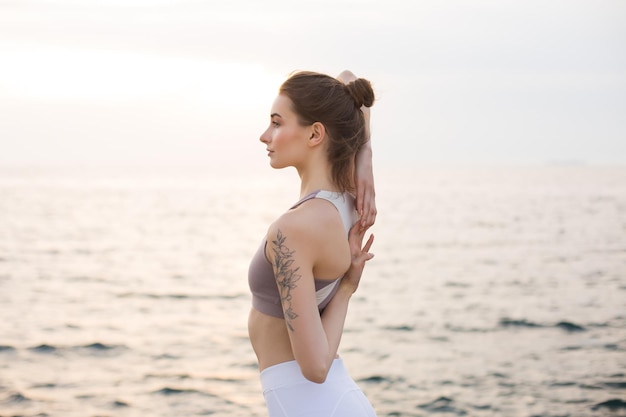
(364,173)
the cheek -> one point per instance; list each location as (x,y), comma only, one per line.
(280,136)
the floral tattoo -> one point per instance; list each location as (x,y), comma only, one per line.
(286,276)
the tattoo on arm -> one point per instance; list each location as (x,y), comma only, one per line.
(286,276)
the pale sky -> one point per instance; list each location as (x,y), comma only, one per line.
(192,81)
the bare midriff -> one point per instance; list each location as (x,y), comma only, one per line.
(269,339)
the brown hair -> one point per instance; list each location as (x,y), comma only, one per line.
(322,98)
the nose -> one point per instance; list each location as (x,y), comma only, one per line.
(265,137)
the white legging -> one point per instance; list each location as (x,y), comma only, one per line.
(289,394)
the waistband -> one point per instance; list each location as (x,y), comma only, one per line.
(289,373)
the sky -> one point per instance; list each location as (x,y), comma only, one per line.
(191,82)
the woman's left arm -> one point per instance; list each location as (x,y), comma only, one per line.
(334,315)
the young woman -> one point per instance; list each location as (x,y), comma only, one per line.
(310,262)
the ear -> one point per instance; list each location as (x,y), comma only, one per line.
(318,133)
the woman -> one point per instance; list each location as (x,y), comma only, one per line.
(307,268)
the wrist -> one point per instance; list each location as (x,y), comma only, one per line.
(344,292)
(365,151)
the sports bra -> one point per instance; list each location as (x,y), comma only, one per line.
(265,296)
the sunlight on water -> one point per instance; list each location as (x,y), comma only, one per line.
(496,291)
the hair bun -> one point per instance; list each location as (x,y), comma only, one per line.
(361,92)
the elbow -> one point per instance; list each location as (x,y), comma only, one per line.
(315,374)
(347,76)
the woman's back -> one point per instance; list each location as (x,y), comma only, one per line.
(320,221)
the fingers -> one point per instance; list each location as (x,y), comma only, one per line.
(355,239)
(360,198)
(364,214)
(364,255)
(368,218)
(368,244)
(366,207)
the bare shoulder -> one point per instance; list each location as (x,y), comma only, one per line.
(320,219)
(313,220)
(309,227)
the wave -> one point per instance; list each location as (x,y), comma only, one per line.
(570,327)
(172,376)
(81,278)
(101,346)
(614,404)
(91,348)
(177,296)
(167,391)
(380,379)
(461,329)
(563,384)
(521,323)
(506,322)
(564,325)
(6,348)
(15,398)
(165,356)
(610,385)
(400,328)
(455,284)
(119,404)
(442,405)
(43,348)
(612,347)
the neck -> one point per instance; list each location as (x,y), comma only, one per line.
(315,176)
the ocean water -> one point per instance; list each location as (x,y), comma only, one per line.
(494,292)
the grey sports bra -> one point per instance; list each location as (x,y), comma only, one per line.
(265,296)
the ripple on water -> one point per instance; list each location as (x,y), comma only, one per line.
(167,391)
(507,322)
(43,348)
(614,404)
(615,385)
(119,404)
(568,326)
(385,380)
(15,397)
(442,405)
(100,347)
(182,296)
(400,328)
(96,348)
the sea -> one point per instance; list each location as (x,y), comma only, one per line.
(494,291)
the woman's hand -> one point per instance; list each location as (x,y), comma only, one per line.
(360,255)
